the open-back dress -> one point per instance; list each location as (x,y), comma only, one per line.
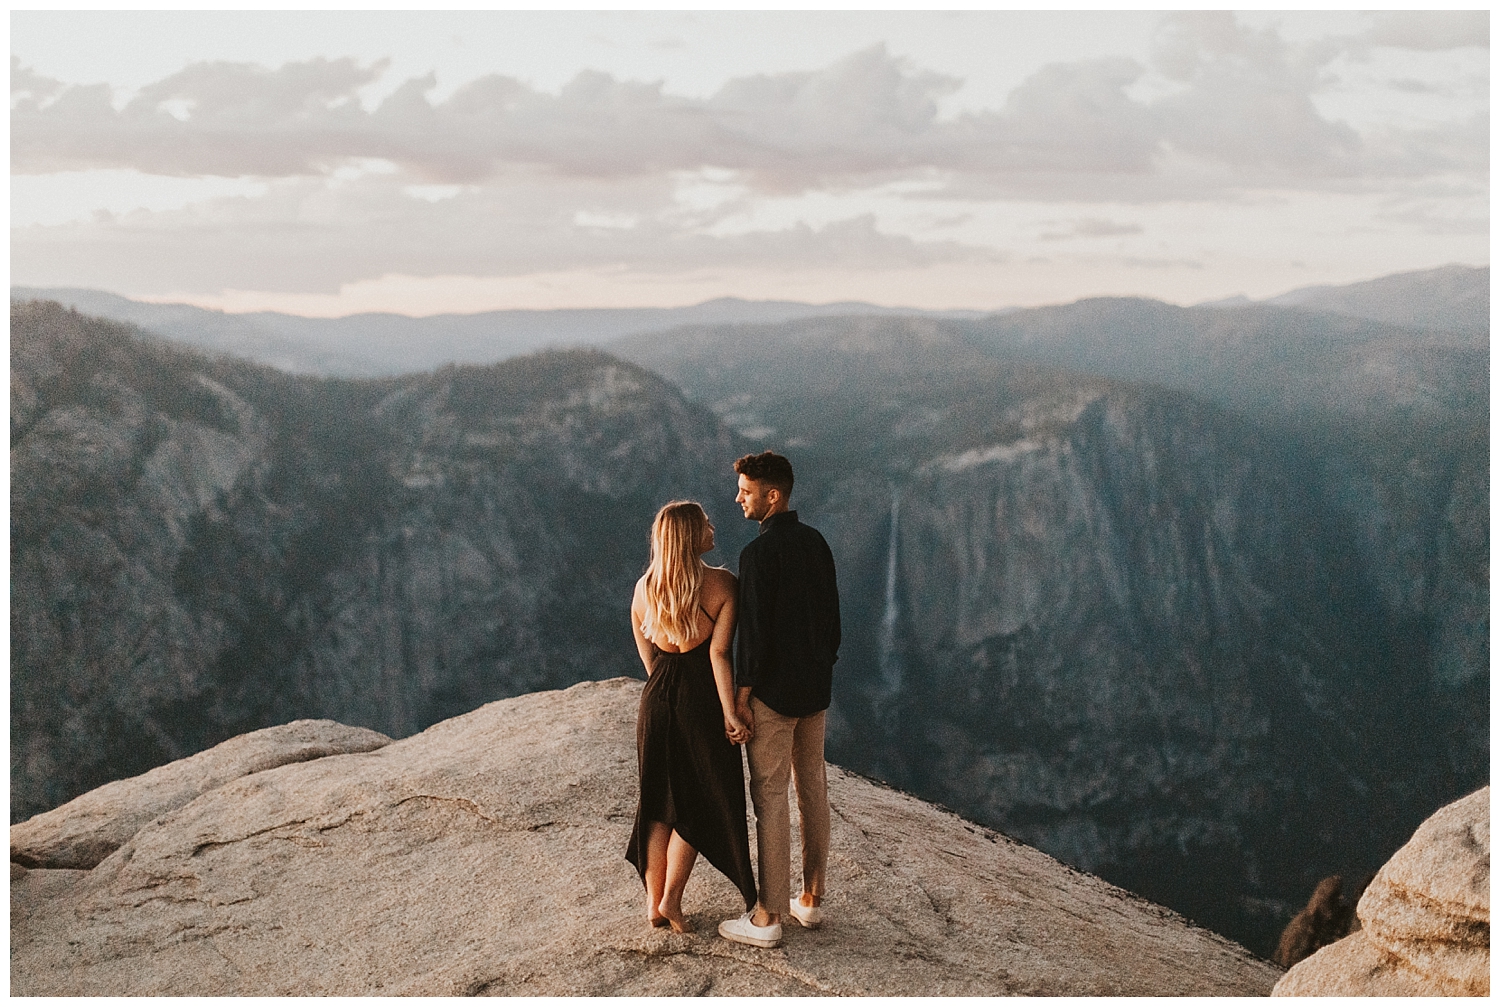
(692,778)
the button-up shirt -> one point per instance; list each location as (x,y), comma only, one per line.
(788,631)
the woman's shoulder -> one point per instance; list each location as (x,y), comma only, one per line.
(719,583)
(719,576)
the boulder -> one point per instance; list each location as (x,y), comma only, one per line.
(80,834)
(486,855)
(1425,918)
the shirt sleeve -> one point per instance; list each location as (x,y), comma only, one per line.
(753,646)
(835,623)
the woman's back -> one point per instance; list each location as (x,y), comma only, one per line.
(717,587)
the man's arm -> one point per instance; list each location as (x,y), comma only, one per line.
(750,633)
(742,708)
(833,590)
(753,643)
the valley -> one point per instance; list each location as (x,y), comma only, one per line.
(1194,599)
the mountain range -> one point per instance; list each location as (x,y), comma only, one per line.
(1193,598)
(1450,298)
(203,546)
(382,344)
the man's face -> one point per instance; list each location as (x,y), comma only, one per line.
(756,498)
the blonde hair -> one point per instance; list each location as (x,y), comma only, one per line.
(675,577)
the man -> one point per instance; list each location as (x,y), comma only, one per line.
(788,640)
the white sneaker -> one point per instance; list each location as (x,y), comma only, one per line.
(743,931)
(809,916)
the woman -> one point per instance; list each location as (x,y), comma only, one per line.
(692,784)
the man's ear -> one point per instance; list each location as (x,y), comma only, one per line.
(775,499)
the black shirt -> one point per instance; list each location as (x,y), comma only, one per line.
(788,632)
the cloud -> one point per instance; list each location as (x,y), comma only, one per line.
(1072,117)
(28,85)
(226,119)
(1431,30)
(305,236)
(1242,101)
(1462,146)
(1248,100)
(500,179)
(1093,227)
(864,113)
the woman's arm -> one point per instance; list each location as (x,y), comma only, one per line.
(637,612)
(719,650)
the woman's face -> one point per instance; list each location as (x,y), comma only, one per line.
(708,538)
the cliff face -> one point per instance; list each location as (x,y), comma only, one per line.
(1213,655)
(203,547)
(486,856)
(1141,645)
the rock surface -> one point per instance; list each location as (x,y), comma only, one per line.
(1425,917)
(485,855)
(89,828)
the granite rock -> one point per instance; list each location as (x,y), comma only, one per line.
(81,833)
(1425,918)
(485,855)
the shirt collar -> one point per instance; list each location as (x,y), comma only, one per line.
(785,517)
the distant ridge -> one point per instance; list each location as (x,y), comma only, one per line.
(384,344)
(1453,298)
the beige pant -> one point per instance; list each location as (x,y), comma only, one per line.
(783,749)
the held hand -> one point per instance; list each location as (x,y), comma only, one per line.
(735,730)
(742,710)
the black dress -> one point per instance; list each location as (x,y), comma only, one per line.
(691,775)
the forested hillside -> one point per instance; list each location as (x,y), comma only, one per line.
(203,547)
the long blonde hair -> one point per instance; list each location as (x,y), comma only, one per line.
(674,579)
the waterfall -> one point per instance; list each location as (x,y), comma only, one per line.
(890,658)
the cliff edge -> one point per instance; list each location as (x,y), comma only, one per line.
(485,855)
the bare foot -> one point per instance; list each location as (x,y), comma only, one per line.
(675,919)
(657,921)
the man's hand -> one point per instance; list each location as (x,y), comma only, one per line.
(735,730)
(742,710)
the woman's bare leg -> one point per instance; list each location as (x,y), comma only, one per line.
(658,836)
(680,860)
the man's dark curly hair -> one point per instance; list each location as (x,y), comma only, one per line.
(769,468)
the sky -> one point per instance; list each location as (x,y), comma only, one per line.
(326,163)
